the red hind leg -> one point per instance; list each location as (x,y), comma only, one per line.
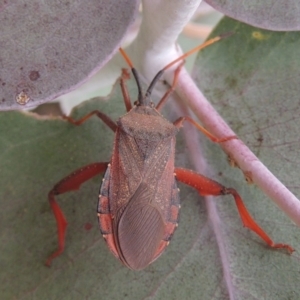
(206,186)
(69,183)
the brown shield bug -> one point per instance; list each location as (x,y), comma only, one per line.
(138,204)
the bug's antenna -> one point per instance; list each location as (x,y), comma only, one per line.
(135,74)
(182,57)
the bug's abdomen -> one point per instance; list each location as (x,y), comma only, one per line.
(104,215)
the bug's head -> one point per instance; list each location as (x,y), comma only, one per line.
(143,99)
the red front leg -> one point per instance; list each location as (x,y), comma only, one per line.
(69,183)
(206,186)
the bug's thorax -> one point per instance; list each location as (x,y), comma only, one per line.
(145,122)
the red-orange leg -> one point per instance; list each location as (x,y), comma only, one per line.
(171,89)
(106,119)
(206,186)
(69,183)
(125,76)
(179,123)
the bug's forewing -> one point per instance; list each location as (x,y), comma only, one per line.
(139,229)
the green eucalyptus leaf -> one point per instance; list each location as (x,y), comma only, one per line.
(267,14)
(210,256)
(50,48)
